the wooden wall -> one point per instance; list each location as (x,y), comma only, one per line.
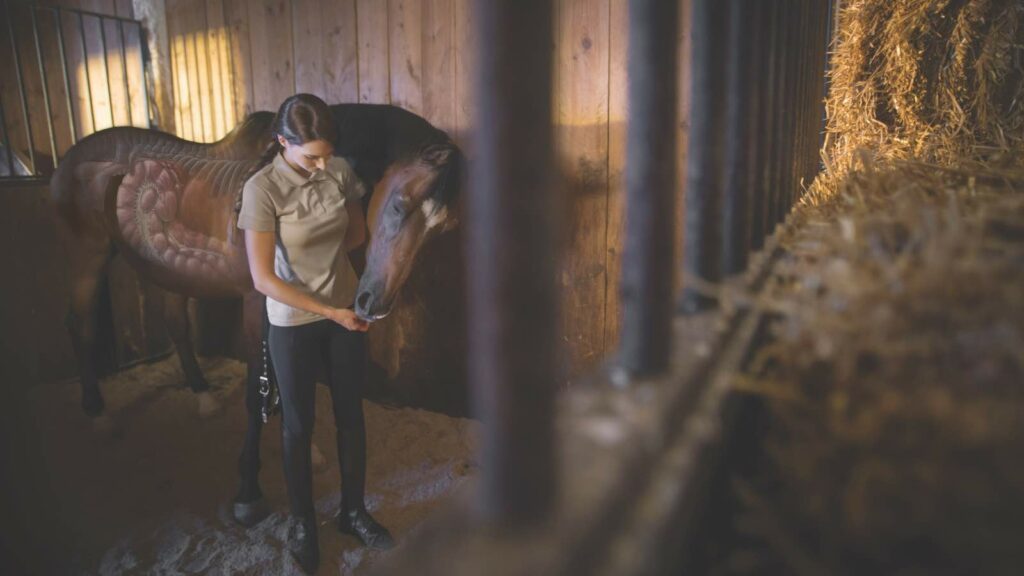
(420,54)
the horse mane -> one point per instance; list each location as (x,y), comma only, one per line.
(445,158)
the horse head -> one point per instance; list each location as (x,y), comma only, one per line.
(413,202)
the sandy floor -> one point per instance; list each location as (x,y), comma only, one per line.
(147,490)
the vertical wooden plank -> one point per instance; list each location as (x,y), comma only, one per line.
(307,24)
(374,75)
(220,76)
(270,28)
(684,131)
(176,31)
(192,69)
(242,90)
(438,55)
(618,112)
(32,84)
(581,112)
(77,73)
(47,22)
(206,97)
(95,62)
(119,94)
(405,61)
(466,51)
(341,67)
(236,17)
(133,63)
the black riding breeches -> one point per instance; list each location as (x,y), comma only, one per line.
(298,353)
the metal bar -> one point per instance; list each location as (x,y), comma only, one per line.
(93,14)
(783,125)
(85,64)
(7,139)
(21,89)
(67,77)
(144,62)
(737,163)
(647,263)
(513,297)
(799,107)
(124,73)
(106,70)
(701,260)
(46,90)
(766,44)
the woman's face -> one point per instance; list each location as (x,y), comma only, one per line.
(309,157)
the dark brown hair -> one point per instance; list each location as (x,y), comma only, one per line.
(301,118)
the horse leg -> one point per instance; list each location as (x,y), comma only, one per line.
(249,506)
(88,258)
(175,309)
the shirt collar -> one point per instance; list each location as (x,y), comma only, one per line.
(289,173)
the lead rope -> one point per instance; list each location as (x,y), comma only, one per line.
(271,399)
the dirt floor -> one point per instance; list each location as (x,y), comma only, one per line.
(146,489)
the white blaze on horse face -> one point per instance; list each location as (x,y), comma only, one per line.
(433,217)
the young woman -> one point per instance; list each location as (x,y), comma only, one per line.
(301,215)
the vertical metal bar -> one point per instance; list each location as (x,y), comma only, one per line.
(513,297)
(144,63)
(46,89)
(7,140)
(701,260)
(21,89)
(808,58)
(779,53)
(647,263)
(67,77)
(124,72)
(85,64)
(767,39)
(737,165)
(783,127)
(106,70)
(797,110)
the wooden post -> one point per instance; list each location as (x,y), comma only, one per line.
(702,243)
(647,267)
(512,258)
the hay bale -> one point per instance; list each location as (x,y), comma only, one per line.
(894,384)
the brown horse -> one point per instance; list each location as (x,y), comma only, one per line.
(170,207)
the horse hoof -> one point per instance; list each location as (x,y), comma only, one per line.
(208,405)
(316,457)
(249,514)
(92,406)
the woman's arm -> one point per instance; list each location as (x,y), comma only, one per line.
(260,249)
(356,233)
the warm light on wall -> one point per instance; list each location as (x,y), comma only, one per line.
(203,79)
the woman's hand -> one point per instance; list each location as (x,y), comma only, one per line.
(348,319)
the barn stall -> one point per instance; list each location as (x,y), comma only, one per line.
(621,470)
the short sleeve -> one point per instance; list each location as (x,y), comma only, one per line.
(351,185)
(257,212)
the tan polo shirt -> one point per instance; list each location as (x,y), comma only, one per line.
(309,218)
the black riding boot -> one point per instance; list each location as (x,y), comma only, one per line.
(353,518)
(303,545)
